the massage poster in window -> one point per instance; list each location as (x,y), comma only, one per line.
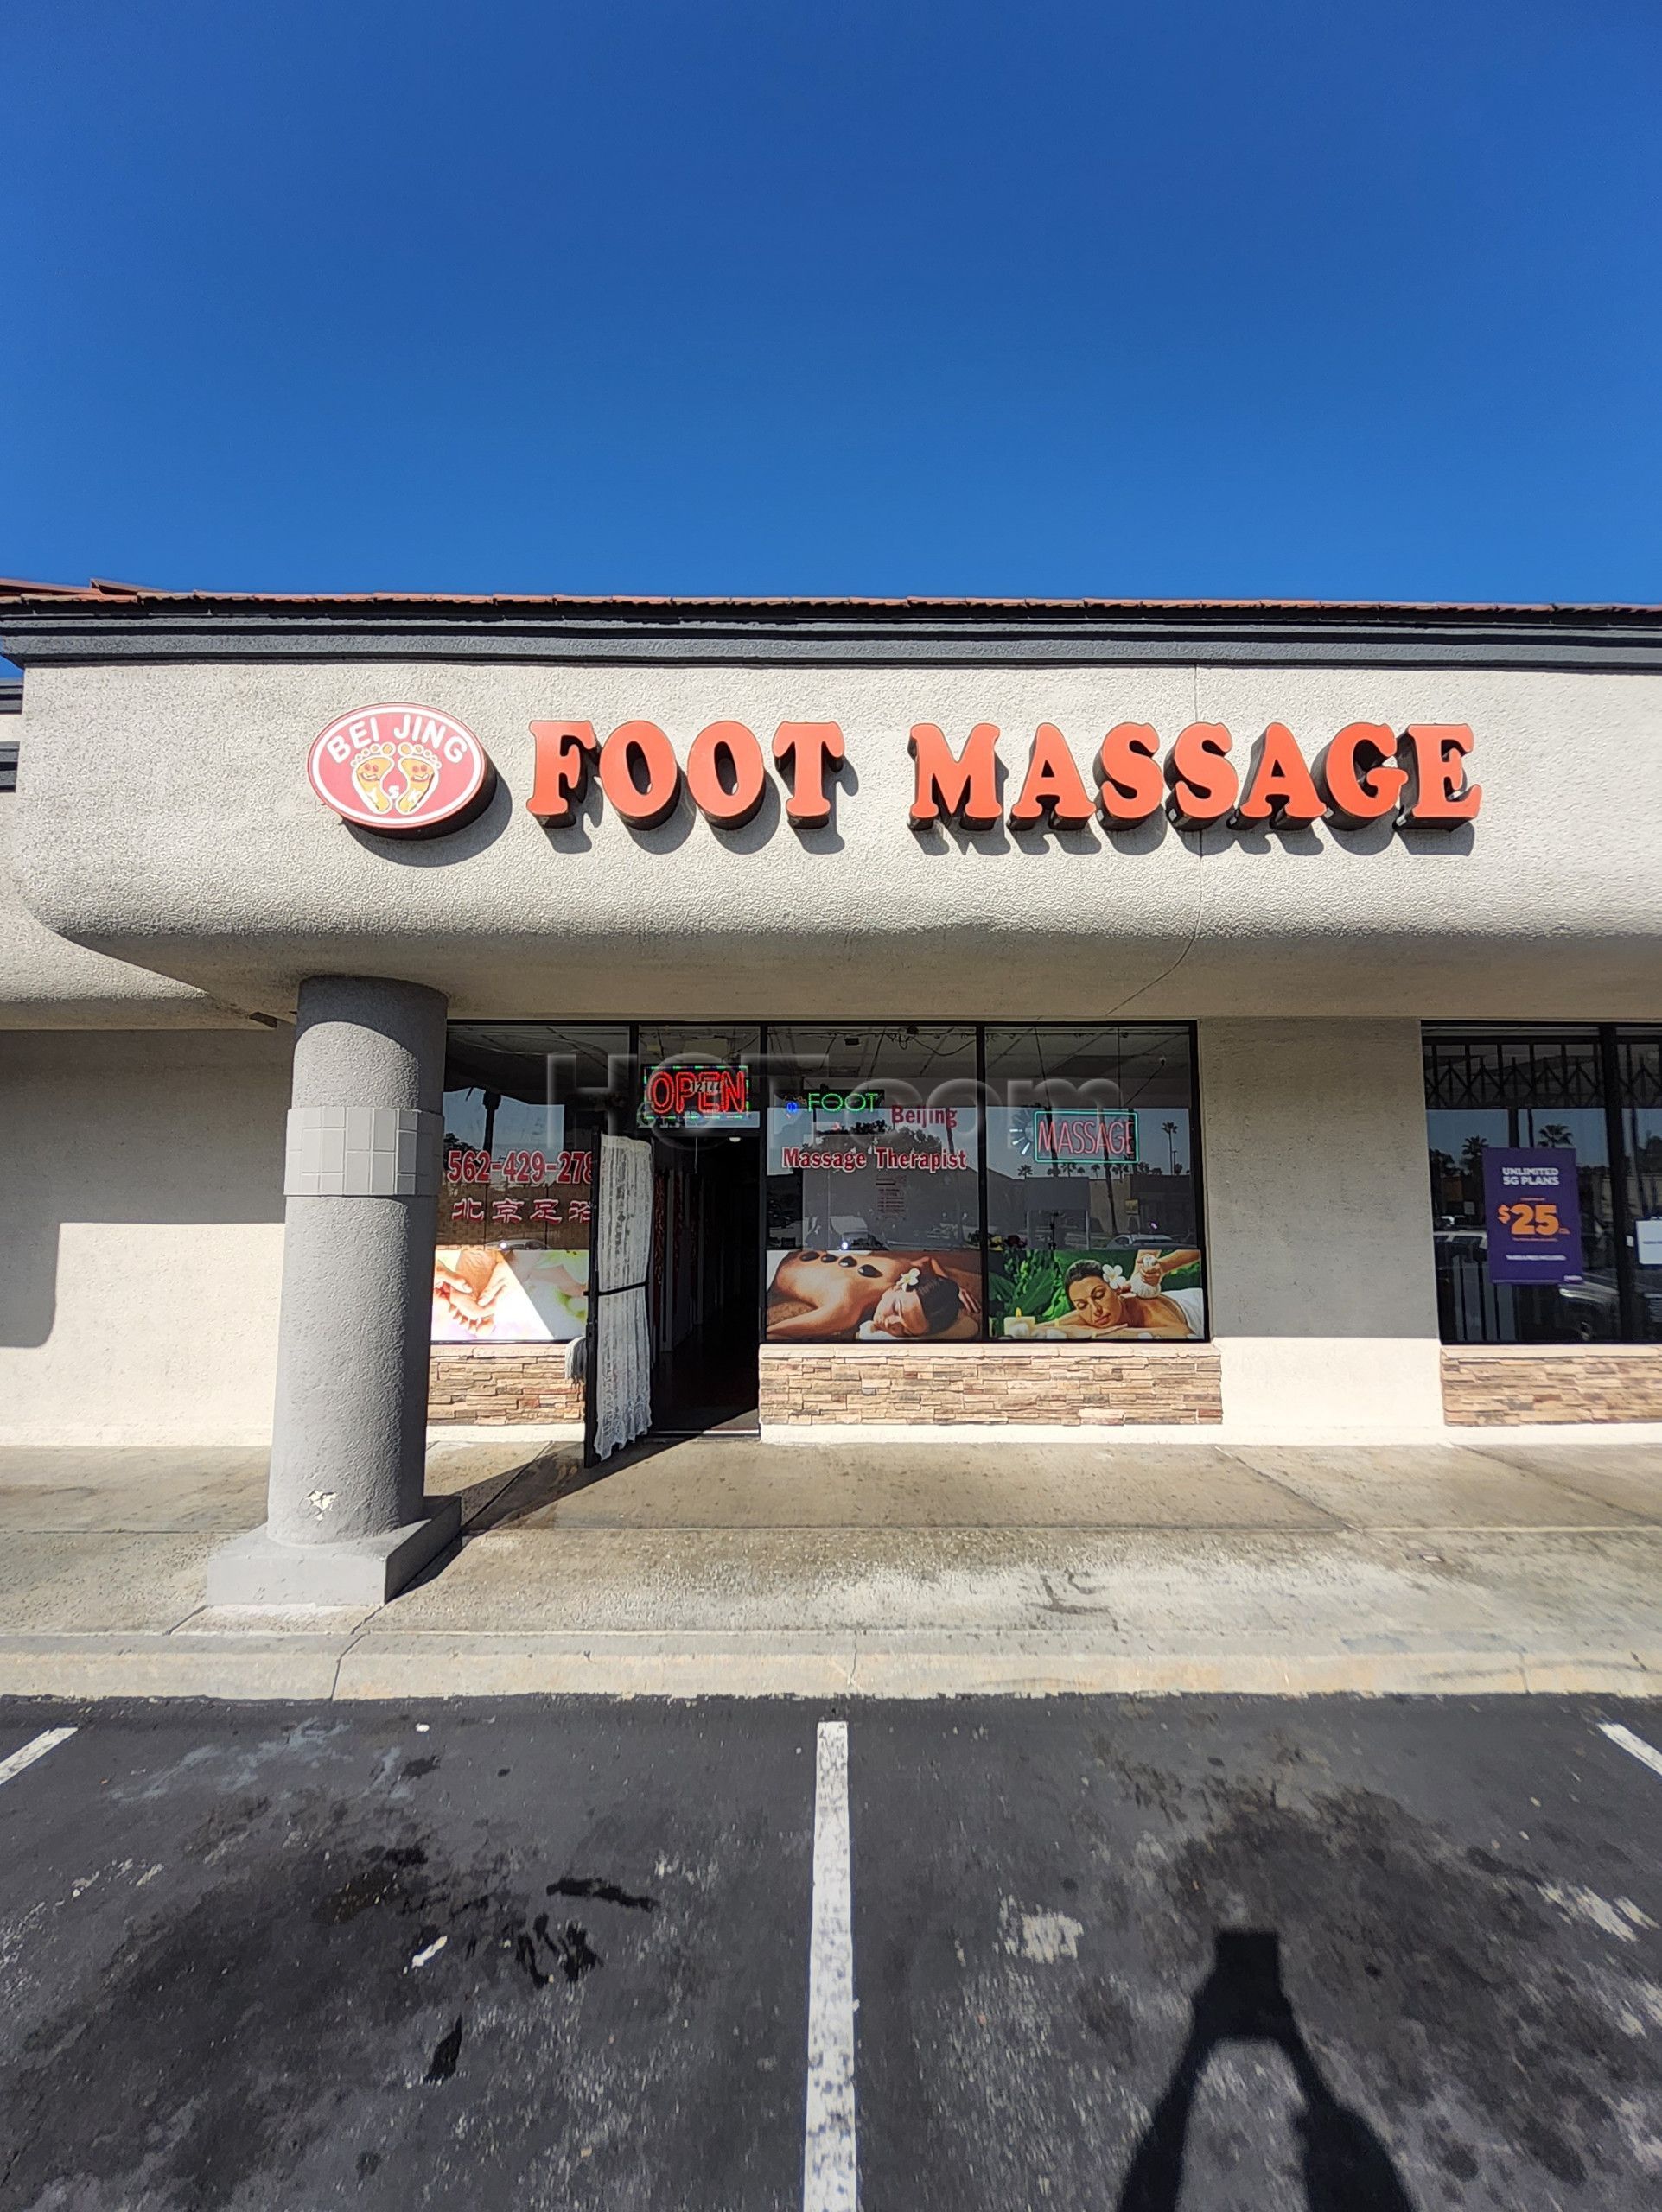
(1145,1292)
(824,1296)
(483,1295)
(514,1226)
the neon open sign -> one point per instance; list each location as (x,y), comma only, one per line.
(671,1094)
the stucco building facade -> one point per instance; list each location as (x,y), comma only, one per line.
(1088,1015)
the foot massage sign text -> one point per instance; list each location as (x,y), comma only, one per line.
(410,770)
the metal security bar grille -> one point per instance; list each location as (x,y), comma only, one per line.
(1537,1070)
(1639,1071)
(7,763)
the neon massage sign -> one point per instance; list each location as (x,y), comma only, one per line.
(1081,1133)
(404,769)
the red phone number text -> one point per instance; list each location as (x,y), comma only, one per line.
(463,1167)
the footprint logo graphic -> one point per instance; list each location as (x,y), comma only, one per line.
(420,768)
(402,770)
(369,772)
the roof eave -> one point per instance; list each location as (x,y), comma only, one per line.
(110,623)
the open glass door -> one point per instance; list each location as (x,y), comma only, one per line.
(618,1399)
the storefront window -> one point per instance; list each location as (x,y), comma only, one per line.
(1513,1263)
(1638,1091)
(919,1181)
(1093,1229)
(873,1185)
(522,1103)
(1006,1183)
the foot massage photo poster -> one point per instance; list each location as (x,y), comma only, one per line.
(484,1294)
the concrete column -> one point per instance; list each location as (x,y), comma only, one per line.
(346,1520)
(1319,1257)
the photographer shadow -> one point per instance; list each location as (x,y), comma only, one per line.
(1346,2167)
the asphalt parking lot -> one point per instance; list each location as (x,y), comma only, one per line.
(1132,1954)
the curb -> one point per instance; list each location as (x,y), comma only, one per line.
(313,1669)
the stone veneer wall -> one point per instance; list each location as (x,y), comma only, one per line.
(508,1383)
(1500,1386)
(502,1383)
(986,1382)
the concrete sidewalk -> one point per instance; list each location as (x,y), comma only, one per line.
(724,1566)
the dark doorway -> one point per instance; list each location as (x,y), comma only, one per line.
(706,1281)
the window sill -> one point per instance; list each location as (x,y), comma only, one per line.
(1028,1347)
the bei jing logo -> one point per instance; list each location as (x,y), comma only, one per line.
(405,771)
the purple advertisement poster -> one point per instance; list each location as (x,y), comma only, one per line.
(1531,1203)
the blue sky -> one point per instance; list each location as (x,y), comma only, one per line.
(1286,298)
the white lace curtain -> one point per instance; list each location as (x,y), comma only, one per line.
(622,1380)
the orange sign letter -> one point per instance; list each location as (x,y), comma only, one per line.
(948,785)
(560,769)
(1442,796)
(1360,788)
(1052,783)
(814,751)
(631,750)
(1129,772)
(1280,785)
(726,774)
(1203,783)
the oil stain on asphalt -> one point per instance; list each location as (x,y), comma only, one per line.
(372,1981)
(446,2051)
(232,1987)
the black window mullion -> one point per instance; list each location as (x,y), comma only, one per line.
(764,1115)
(981,1179)
(1615,1144)
(1197,1178)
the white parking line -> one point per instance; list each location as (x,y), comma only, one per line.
(1646,1753)
(36,1748)
(829,2182)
